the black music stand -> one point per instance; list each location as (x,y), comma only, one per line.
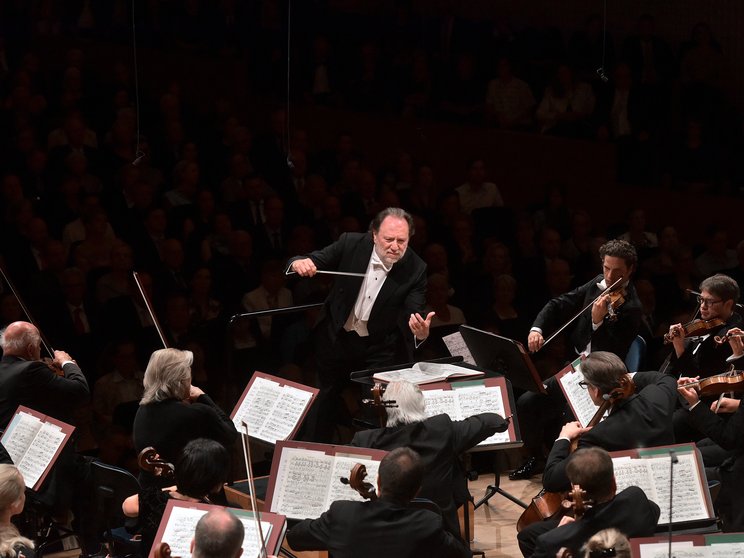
(509,358)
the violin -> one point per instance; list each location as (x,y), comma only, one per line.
(548,504)
(695,327)
(356,481)
(722,339)
(617,299)
(149,460)
(719,384)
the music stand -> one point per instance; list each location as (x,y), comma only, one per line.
(509,358)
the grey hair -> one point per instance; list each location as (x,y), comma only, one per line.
(168,376)
(393,212)
(11,490)
(16,344)
(605,540)
(411,405)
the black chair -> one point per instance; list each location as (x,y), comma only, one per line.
(110,486)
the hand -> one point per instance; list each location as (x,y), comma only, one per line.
(61,356)
(599,309)
(535,341)
(565,520)
(736,342)
(676,331)
(304,267)
(690,395)
(420,326)
(573,430)
(194,393)
(727,405)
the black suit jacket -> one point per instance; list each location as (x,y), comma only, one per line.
(402,294)
(643,420)
(615,337)
(374,529)
(704,357)
(34,385)
(439,441)
(630,511)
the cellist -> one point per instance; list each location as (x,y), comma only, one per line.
(641,420)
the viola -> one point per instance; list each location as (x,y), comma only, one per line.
(695,327)
(356,481)
(548,504)
(149,460)
(719,384)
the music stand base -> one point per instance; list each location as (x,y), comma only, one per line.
(493,489)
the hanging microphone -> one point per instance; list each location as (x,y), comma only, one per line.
(138,160)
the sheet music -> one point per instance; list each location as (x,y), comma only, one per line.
(271,411)
(684,549)
(182,523)
(302,483)
(342,468)
(20,434)
(457,347)
(442,402)
(41,452)
(688,500)
(652,476)
(726,550)
(579,398)
(427,372)
(285,414)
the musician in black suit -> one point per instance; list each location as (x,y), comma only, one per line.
(25,380)
(389,526)
(726,430)
(368,321)
(630,511)
(439,441)
(598,328)
(641,420)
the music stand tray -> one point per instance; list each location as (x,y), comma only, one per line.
(504,356)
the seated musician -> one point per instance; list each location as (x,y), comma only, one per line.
(218,534)
(702,355)
(630,511)
(200,471)
(728,432)
(173,411)
(438,440)
(388,526)
(641,420)
(12,500)
(596,329)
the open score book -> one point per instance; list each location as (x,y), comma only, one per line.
(427,372)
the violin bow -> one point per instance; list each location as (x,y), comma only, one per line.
(150,311)
(580,312)
(44,342)
(252,487)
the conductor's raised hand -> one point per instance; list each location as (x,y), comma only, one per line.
(535,341)
(420,326)
(304,267)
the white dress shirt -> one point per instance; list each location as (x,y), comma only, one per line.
(371,285)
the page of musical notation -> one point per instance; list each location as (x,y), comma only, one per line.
(688,503)
(302,483)
(634,472)
(342,468)
(20,434)
(579,398)
(284,414)
(457,347)
(257,405)
(181,525)
(41,452)
(683,549)
(442,401)
(479,399)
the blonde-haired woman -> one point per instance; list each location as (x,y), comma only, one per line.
(173,412)
(12,499)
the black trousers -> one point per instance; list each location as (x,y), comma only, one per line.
(541,417)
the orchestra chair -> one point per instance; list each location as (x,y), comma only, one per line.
(110,486)
(636,354)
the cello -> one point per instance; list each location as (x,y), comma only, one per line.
(547,504)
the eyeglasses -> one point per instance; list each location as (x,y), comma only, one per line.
(707,301)
(583,384)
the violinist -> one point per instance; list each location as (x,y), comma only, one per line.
(728,432)
(701,355)
(389,526)
(593,330)
(641,420)
(629,511)
(173,412)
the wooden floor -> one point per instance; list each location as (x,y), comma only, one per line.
(495,523)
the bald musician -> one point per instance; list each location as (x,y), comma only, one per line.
(26,380)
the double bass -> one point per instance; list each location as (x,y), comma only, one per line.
(548,504)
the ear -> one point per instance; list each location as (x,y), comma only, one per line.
(614,486)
